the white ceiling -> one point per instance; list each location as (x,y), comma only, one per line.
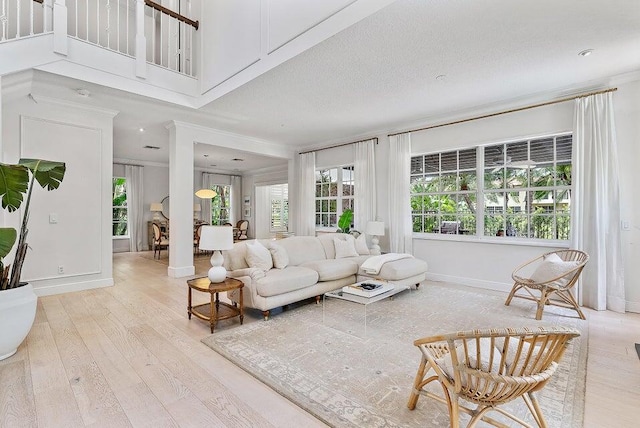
(380,75)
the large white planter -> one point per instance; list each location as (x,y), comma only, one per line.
(17,312)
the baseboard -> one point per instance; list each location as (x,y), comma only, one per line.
(633,307)
(48,290)
(470,282)
(181,272)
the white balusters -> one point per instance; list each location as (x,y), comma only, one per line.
(23,18)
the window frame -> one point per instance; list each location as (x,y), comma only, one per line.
(119,207)
(227,208)
(340,198)
(479,234)
(282,197)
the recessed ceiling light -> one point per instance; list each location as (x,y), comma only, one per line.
(237,160)
(83,92)
(441,77)
(205,155)
(585,52)
(141,129)
(152,147)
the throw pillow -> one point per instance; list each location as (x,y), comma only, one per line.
(258,256)
(345,248)
(551,267)
(279,255)
(361,245)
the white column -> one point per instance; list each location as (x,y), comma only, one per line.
(180,202)
(141,41)
(60,27)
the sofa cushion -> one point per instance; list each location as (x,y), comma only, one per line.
(301,249)
(326,240)
(345,248)
(400,269)
(279,255)
(258,256)
(361,245)
(329,270)
(235,258)
(291,278)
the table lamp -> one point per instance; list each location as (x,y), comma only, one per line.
(216,238)
(375,229)
(156,209)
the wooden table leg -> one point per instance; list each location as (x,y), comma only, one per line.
(212,312)
(189,302)
(241,306)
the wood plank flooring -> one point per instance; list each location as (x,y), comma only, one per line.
(128,356)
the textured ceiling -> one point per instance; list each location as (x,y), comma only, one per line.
(380,75)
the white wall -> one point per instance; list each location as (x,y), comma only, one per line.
(80,240)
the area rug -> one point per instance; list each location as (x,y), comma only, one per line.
(319,357)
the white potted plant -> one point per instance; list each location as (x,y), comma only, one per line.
(17,299)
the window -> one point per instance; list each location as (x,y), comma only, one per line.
(119,209)
(334,194)
(531,181)
(221,205)
(279,197)
(443,192)
(520,188)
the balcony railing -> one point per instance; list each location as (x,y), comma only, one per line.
(138,28)
(24,18)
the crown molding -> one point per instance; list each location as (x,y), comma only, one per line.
(56,101)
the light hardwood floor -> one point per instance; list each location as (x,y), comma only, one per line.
(128,356)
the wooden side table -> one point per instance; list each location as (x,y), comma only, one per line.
(216,310)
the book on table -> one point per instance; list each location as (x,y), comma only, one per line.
(368,288)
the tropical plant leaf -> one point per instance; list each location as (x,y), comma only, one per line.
(14,181)
(48,173)
(8,237)
(344,222)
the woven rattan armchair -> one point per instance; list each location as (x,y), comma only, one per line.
(552,289)
(513,363)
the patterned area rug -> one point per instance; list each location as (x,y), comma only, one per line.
(319,357)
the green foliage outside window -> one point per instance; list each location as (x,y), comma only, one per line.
(119,209)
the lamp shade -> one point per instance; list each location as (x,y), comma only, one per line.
(375,228)
(156,206)
(197,208)
(216,238)
(206,193)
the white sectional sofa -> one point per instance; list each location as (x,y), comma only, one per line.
(305,267)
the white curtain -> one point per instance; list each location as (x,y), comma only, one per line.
(135,205)
(208,182)
(236,199)
(595,205)
(400,227)
(306,221)
(262,212)
(365,184)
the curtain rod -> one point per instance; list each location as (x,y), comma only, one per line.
(340,145)
(507,111)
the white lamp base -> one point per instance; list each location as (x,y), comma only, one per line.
(217,273)
(375,248)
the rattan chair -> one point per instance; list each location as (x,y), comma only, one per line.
(513,363)
(555,290)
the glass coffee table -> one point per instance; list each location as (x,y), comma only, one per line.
(364,301)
